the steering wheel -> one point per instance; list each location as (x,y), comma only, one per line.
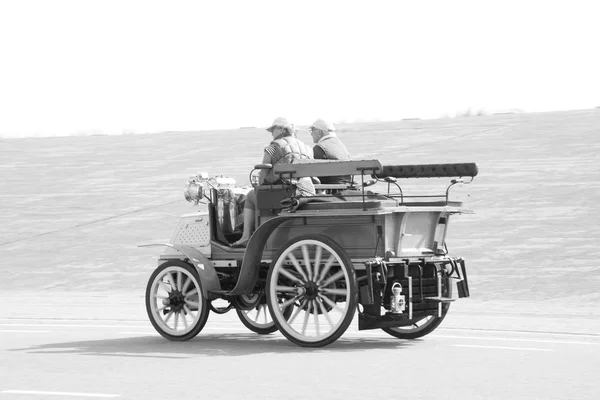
(253,178)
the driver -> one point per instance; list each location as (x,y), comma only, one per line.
(285,148)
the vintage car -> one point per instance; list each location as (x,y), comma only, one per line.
(313,262)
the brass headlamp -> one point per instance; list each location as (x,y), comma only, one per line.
(194,188)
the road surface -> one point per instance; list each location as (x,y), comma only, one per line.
(90,347)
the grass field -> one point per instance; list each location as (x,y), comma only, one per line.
(73,209)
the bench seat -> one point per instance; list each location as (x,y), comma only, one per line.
(348,205)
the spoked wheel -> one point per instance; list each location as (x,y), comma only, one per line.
(259,318)
(314,273)
(174,301)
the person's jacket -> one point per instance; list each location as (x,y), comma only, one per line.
(331,148)
(287,150)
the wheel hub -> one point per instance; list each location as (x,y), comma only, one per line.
(312,290)
(176,300)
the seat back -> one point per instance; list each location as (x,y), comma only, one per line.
(304,168)
(268,199)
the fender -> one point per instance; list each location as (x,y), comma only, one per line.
(253,254)
(208,276)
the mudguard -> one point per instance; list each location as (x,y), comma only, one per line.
(252,256)
(208,276)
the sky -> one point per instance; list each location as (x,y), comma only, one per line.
(129,66)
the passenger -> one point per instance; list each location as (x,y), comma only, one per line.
(329,147)
(284,149)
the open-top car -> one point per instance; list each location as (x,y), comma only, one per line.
(313,262)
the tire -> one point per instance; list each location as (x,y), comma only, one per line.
(325,293)
(174,301)
(421,328)
(261,310)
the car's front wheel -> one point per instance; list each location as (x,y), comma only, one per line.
(174,301)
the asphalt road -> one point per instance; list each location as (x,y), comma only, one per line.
(74,210)
(78,348)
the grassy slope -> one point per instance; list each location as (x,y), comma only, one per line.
(73,209)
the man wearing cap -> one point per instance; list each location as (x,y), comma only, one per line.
(285,148)
(328,147)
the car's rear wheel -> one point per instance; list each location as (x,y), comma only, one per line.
(420,328)
(316,275)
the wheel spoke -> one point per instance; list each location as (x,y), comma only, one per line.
(326,268)
(176,320)
(165,287)
(188,311)
(316,314)
(325,313)
(296,312)
(330,303)
(264,308)
(192,303)
(169,315)
(179,278)
(318,252)
(306,258)
(286,289)
(171,281)
(288,303)
(332,278)
(257,314)
(296,265)
(184,320)
(339,292)
(286,273)
(186,285)
(191,292)
(306,315)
